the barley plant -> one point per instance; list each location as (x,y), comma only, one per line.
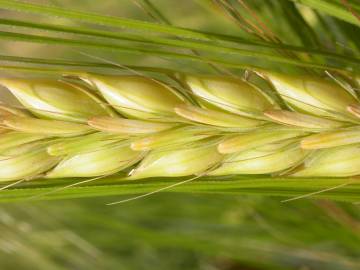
(226,97)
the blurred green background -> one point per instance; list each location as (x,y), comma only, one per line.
(173,231)
(178,231)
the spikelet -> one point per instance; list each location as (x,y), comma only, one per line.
(342,161)
(25,162)
(178,162)
(303,120)
(57,100)
(84,144)
(119,125)
(268,159)
(136,96)
(254,139)
(45,127)
(177,137)
(314,95)
(229,94)
(96,162)
(332,139)
(13,139)
(217,118)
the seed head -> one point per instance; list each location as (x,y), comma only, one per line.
(231,127)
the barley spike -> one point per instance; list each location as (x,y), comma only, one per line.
(140,127)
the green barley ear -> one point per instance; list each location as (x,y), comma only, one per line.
(136,96)
(230,94)
(45,127)
(119,125)
(257,138)
(25,162)
(96,162)
(216,118)
(52,99)
(314,95)
(178,162)
(342,161)
(272,158)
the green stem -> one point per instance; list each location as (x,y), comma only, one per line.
(333,188)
